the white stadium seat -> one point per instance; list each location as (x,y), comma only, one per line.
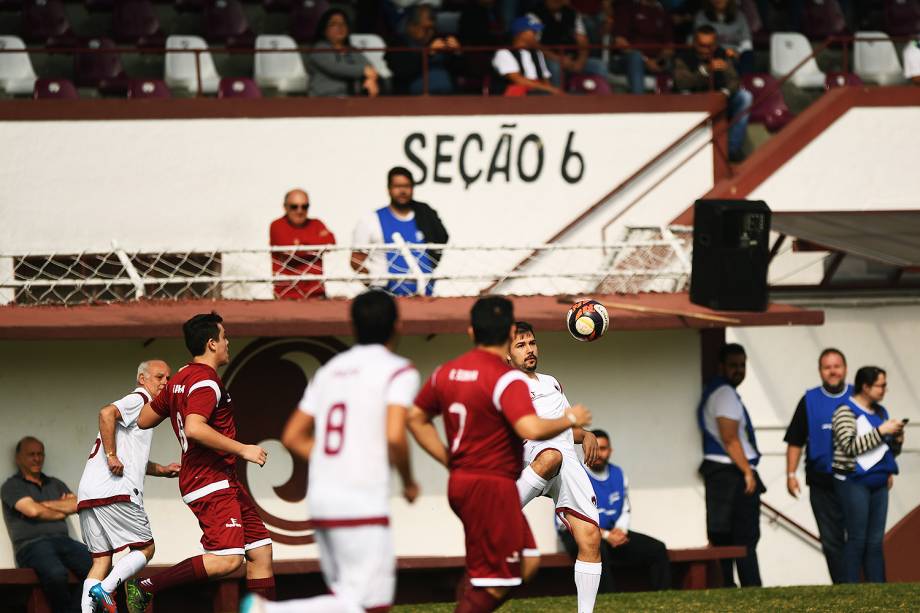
(16,74)
(787,50)
(372,41)
(180,67)
(877,61)
(283,72)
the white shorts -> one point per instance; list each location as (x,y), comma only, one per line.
(359,565)
(571,489)
(113,527)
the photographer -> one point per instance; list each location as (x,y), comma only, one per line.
(706,67)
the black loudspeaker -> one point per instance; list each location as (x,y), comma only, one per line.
(730,254)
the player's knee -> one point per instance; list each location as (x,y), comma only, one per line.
(148,551)
(548,463)
(228,564)
(591,539)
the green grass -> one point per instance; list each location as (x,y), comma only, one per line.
(841,598)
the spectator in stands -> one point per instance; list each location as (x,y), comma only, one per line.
(705,67)
(866,442)
(407,66)
(562,25)
(646,23)
(811,427)
(34,508)
(343,72)
(522,70)
(682,13)
(617,56)
(404,220)
(912,61)
(480,26)
(295,228)
(730,458)
(620,547)
(732,29)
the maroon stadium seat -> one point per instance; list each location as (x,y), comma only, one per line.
(842,79)
(225,23)
(148,88)
(902,17)
(103,71)
(304,19)
(587,84)
(664,83)
(238,87)
(823,18)
(46,22)
(769,107)
(54,88)
(135,22)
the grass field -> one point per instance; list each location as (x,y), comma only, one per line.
(842,598)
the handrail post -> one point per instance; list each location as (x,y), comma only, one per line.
(198,72)
(425,71)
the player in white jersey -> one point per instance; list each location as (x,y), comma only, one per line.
(110,499)
(351,426)
(554,470)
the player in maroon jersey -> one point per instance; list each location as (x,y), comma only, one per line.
(487,412)
(201,413)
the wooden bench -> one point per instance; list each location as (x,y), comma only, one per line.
(421,579)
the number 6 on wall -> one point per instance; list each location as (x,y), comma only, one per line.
(460,410)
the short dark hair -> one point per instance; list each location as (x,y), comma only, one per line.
(199,330)
(399,171)
(522,327)
(867,375)
(829,351)
(491,318)
(705,29)
(600,434)
(373,316)
(26,439)
(730,349)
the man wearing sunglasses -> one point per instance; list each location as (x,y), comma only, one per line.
(295,228)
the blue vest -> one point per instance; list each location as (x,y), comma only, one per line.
(396,263)
(876,476)
(711,444)
(611,496)
(820,407)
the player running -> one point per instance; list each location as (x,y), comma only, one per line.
(487,411)
(553,468)
(351,427)
(201,414)
(110,499)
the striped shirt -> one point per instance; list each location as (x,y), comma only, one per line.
(847,445)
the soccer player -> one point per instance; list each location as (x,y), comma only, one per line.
(201,413)
(351,427)
(110,499)
(487,411)
(553,468)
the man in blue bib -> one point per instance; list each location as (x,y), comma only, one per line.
(811,428)
(730,458)
(404,223)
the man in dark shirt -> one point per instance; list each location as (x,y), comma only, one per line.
(562,25)
(811,428)
(407,66)
(34,508)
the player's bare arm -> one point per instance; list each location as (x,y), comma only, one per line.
(398,448)
(34,510)
(108,415)
(298,435)
(170,471)
(427,435)
(198,430)
(149,418)
(588,443)
(536,428)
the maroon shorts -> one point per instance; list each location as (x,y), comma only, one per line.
(230,523)
(497,533)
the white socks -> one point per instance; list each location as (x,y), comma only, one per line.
(320,604)
(86,601)
(128,566)
(529,485)
(587,580)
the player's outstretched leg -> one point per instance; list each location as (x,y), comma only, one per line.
(260,578)
(101,566)
(588,566)
(534,478)
(139,593)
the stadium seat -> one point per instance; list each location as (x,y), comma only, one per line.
(135,22)
(17,77)
(283,72)
(180,67)
(304,19)
(46,22)
(877,61)
(148,88)
(104,71)
(902,17)
(372,41)
(587,84)
(787,50)
(842,79)
(54,89)
(823,18)
(769,107)
(238,87)
(225,23)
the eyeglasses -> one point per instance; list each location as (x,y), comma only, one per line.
(296,207)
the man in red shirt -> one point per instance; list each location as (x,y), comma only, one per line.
(487,412)
(201,412)
(295,228)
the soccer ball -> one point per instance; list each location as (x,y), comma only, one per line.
(587,320)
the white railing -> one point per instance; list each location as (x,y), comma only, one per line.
(116,275)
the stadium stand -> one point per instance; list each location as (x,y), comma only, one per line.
(787,51)
(17,77)
(770,109)
(182,68)
(237,87)
(135,22)
(823,18)
(103,71)
(54,89)
(282,72)
(46,22)
(148,88)
(876,60)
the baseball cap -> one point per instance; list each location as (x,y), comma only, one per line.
(526,22)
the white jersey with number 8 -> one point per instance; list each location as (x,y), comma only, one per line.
(349,476)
